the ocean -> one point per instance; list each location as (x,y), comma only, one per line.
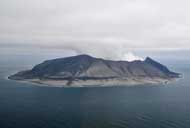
(25,105)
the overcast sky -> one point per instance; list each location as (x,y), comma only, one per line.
(98,27)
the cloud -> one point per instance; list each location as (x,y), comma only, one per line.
(107,28)
(131,57)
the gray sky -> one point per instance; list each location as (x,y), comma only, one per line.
(109,28)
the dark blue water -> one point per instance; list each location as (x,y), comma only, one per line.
(23,105)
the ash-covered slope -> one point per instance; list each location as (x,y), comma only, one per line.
(87,70)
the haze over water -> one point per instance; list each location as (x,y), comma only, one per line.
(24,105)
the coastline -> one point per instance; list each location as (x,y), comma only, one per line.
(97,83)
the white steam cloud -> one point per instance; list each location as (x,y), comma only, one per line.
(129,56)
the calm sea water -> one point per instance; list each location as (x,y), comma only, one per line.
(23,105)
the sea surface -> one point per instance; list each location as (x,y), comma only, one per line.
(25,105)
